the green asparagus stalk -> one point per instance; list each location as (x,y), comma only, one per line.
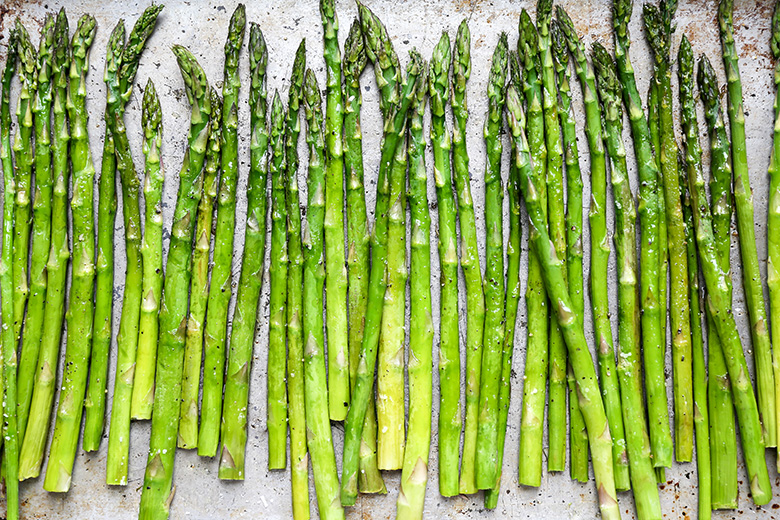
(37,431)
(299,459)
(649,208)
(469,256)
(239,362)
(414,477)
(571,326)
(492,352)
(41,228)
(773,220)
(326,481)
(369,479)
(537,349)
(158,479)
(743,201)
(723,440)
(394,101)
(62,451)
(629,369)
(221,286)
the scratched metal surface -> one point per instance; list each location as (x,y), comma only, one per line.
(201,26)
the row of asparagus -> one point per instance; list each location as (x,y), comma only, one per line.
(172,328)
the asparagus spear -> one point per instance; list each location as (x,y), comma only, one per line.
(239,364)
(221,286)
(537,351)
(649,207)
(158,479)
(323,459)
(62,451)
(7,269)
(394,101)
(492,352)
(692,165)
(571,326)
(643,478)
(773,220)
(369,479)
(36,433)
(414,477)
(469,256)
(41,229)
(743,201)
(723,441)
(299,468)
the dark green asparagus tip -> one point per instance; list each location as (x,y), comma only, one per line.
(235,37)
(461,58)
(708,83)
(559,46)
(28,57)
(258,51)
(726,15)
(414,67)
(775,40)
(136,43)
(61,51)
(528,43)
(439,80)
(277,112)
(328,9)
(515,70)
(46,46)
(354,52)
(151,114)
(658,24)
(685,61)
(606,75)
(565,24)
(379,48)
(543,14)
(10,59)
(498,69)
(83,37)
(421,89)
(621,15)
(195,82)
(514,110)
(311,91)
(296,78)
(116,45)
(216,113)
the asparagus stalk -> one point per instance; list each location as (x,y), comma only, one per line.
(239,363)
(37,431)
(414,477)
(469,256)
(723,440)
(369,479)
(692,165)
(394,102)
(629,369)
(323,459)
(743,201)
(773,220)
(158,479)
(62,451)
(492,353)
(41,228)
(537,351)
(221,286)
(571,326)
(299,467)
(649,208)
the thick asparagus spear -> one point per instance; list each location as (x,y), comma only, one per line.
(537,349)
(414,477)
(326,481)
(492,351)
(773,219)
(299,459)
(649,207)
(743,201)
(41,229)
(629,369)
(158,479)
(221,287)
(469,256)
(62,451)
(37,431)
(571,326)
(239,363)
(369,479)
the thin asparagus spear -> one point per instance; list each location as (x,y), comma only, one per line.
(537,349)
(369,478)
(629,369)
(773,219)
(41,229)
(158,479)
(469,256)
(692,165)
(649,207)
(743,201)
(579,353)
(299,459)
(326,481)
(492,352)
(239,362)
(221,286)
(414,477)
(36,434)
(394,101)
(62,451)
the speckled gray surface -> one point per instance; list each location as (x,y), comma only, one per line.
(201,26)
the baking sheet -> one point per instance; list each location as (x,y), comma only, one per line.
(201,26)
